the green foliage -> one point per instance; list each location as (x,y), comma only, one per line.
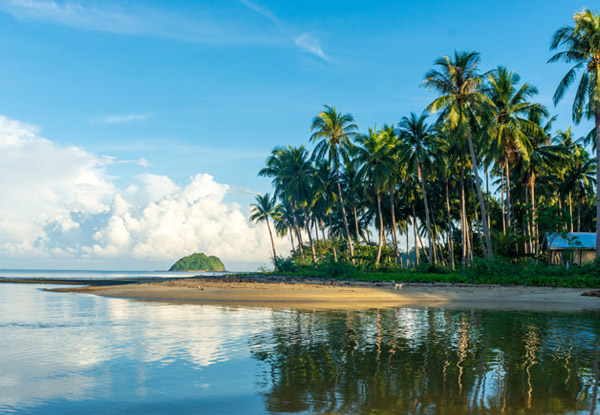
(198,262)
(284,264)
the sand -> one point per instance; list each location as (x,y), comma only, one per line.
(294,293)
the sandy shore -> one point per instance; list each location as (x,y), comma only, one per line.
(289,292)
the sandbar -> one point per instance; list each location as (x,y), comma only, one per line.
(333,294)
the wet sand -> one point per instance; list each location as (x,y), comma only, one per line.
(306,293)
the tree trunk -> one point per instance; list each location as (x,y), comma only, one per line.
(380,228)
(508,202)
(579,213)
(292,238)
(476,215)
(272,242)
(487,191)
(597,183)
(571,211)
(339,186)
(355,214)
(408,261)
(298,235)
(395,237)
(527,229)
(535,228)
(486,229)
(463,217)
(415,233)
(427,220)
(332,239)
(308,232)
(502,200)
(450,241)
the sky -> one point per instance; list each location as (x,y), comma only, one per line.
(131,132)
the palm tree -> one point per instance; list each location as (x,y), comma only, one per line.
(507,124)
(374,152)
(580,45)
(417,142)
(458,82)
(264,207)
(335,130)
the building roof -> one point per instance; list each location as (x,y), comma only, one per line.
(573,240)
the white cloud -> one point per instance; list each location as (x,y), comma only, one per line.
(311,44)
(59,201)
(124,118)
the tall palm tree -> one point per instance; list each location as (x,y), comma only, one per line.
(458,83)
(374,151)
(417,141)
(508,122)
(335,131)
(580,45)
(265,207)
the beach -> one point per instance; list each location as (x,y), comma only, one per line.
(306,293)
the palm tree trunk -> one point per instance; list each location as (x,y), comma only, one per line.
(415,233)
(272,242)
(292,239)
(527,229)
(571,210)
(427,220)
(316,226)
(487,191)
(579,213)
(339,186)
(298,235)
(502,200)
(397,254)
(380,228)
(450,242)
(332,239)
(536,235)
(508,202)
(408,261)
(463,217)
(476,215)
(597,119)
(486,229)
(308,232)
(355,214)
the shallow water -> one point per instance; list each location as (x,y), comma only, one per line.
(70,354)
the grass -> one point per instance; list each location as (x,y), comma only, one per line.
(500,272)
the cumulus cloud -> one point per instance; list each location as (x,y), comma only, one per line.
(59,201)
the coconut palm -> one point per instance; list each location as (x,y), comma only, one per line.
(335,131)
(458,82)
(417,140)
(508,122)
(374,153)
(580,44)
(265,207)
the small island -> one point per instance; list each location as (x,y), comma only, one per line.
(198,262)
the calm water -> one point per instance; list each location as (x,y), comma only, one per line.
(71,354)
(101,275)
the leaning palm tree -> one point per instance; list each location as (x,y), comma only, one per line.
(265,207)
(335,130)
(458,83)
(417,141)
(580,45)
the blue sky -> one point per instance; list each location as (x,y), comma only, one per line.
(175,88)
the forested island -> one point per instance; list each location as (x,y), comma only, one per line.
(198,262)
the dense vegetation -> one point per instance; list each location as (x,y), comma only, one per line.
(198,262)
(479,173)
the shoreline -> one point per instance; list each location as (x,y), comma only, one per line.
(293,292)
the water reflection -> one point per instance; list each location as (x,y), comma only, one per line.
(67,353)
(430,361)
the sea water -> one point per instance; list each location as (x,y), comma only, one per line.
(63,353)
